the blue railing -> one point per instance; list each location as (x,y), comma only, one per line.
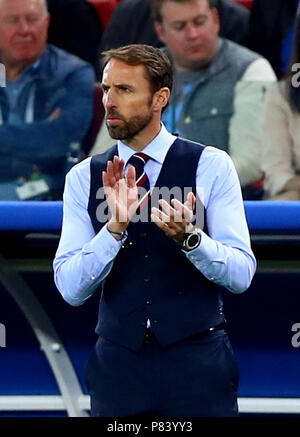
(47,216)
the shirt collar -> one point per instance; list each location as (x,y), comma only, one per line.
(156,149)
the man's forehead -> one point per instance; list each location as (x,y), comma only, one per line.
(21,6)
(119,70)
(188,8)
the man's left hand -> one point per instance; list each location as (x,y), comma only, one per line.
(175,218)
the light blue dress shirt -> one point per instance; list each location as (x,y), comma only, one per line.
(84,259)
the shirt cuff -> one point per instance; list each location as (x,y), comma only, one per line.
(104,246)
(206,258)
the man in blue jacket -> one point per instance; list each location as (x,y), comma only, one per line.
(45,107)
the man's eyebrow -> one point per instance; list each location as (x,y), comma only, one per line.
(186,21)
(119,85)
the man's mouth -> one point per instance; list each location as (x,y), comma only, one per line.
(113,118)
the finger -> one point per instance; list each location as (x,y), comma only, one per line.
(55,114)
(118,165)
(176,214)
(161,215)
(167,208)
(190,201)
(184,212)
(131,177)
(162,225)
(172,227)
(106,180)
(111,180)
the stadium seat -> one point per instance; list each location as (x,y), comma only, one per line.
(247,3)
(105,9)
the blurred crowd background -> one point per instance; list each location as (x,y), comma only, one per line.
(236,85)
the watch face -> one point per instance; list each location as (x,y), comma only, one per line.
(193,240)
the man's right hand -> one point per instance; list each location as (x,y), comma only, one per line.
(121,194)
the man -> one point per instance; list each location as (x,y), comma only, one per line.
(218,87)
(132,22)
(45,108)
(162,347)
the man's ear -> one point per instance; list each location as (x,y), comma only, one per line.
(216,18)
(159,29)
(161,98)
(48,20)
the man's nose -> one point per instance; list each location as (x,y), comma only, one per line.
(109,99)
(192,31)
(23,25)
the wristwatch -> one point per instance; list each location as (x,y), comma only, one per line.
(191,240)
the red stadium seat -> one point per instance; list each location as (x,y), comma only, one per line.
(247,3)
(105,9)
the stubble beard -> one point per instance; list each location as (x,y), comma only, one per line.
(130,128)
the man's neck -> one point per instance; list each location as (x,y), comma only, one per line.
(140,141)
(15,70)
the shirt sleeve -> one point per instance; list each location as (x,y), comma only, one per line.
(277,142)
(83,258)
(224,256)
(245,126)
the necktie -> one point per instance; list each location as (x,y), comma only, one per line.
(138,160)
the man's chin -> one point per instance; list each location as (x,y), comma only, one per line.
(115,133)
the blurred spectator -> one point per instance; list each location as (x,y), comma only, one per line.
(271,31)
(46,107)
(75,26)
(218,91)
(132,22)
(281,136)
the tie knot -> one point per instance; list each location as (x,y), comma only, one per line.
(138,159)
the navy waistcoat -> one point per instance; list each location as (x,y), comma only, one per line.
(151,277)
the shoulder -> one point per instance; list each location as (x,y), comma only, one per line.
(232,49)
(131,6)
(80,172)
(100,159)
(60,59)
(233,11)
(217,160)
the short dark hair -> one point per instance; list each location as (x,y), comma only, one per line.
(156,6)
(157,65)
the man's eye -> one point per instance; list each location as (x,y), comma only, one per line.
(33,19)
(200,21)
(178,27)
(11,20)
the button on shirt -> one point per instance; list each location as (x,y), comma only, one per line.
(84,259)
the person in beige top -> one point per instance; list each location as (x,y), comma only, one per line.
(281,144)
(281,135)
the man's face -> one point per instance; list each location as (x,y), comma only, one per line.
(23,30)
(127,99)
(190,31)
